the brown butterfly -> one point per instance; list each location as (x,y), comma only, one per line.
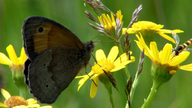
(55,56)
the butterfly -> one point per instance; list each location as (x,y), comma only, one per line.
(55,56)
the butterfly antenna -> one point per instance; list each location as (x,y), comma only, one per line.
(89,76)
(97,36)
(94,58)
(90,65)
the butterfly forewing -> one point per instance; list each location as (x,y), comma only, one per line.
(40,33)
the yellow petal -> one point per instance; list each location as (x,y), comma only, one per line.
(94,76)
(130,52)
(20,106)
(119,15)
(187,67)
(3,105)
(80,76)
(170,31)
(47,106)
(118,68)
(113,53)
(84,79)
(154,51)
(132,59)
(146,50)
(121,59)
(165,31)
(159,26)
(109,22)
(123,63)
(139,45)
(142,46)
(112,17)
(34,105)
(100,20)
(180,58)
(119,65)
(12,55)
(165,55)
(130,30)
(31,101)
(5,94)
(29,106)
(178,31)
(100,54)
(166,37)
(5,60)
(105,21)
(94,87)
(23,57)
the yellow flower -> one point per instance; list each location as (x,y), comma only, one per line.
(19,102)
(16,65)
(110,23)
(14,62)
(108,64)
(149,30)
(164,58)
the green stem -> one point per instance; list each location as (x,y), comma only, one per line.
(135,81)
(22,92)
(105,80)
(127,73)
(19,80)
(152,94)
(109,90)
(134,85)
(111,97)
(127,105)
(120,48)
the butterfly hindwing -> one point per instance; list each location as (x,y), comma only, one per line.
(52,71)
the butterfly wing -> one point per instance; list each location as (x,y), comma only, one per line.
(52,71)
(56,56)
(40,33)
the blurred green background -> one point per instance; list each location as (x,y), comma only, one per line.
(174,14)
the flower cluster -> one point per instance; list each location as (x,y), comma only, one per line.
(165,63)
(15,63)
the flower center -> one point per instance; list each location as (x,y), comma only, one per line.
(15,101)
(101,65)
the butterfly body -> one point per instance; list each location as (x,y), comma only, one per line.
(55,56)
